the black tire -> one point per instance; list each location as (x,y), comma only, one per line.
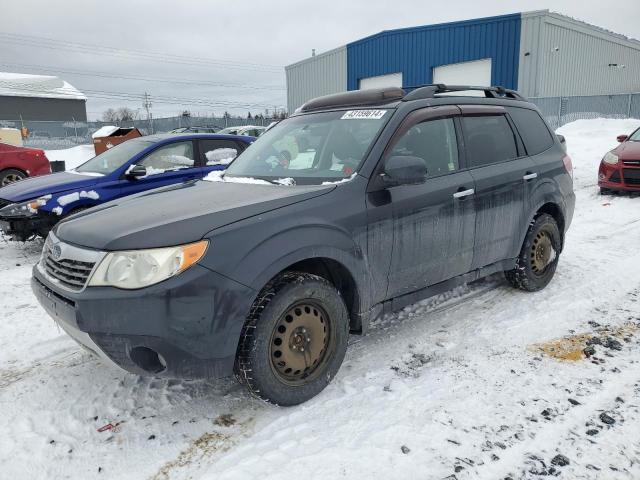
(539,255)
(259,366)
(11,175)
(605,191)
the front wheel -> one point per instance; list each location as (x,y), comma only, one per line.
(11,175)
(539,256)
(294,340)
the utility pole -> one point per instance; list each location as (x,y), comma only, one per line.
(147,106)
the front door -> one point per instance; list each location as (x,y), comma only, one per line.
(216,154)
(166,165)
(433,222)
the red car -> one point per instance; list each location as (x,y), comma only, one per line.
(17,163)
(620,168)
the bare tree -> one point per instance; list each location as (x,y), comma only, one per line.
(110,115)
(125,114)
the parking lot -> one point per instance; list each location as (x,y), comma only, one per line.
(482,382)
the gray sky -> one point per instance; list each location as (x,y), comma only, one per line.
(262,35)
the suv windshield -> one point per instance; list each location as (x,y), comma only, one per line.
(114,158)
(313,148)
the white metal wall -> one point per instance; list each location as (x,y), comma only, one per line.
(316,76)
(563,56)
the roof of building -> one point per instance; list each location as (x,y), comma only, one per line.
(38,86)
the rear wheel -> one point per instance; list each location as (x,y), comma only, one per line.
(538,257)
(294,340)
(11,175)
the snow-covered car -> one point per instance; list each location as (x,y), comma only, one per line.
(33,206)
(250,130)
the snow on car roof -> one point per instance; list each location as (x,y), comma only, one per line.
(42,86)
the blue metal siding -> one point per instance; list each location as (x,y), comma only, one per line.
(416,51)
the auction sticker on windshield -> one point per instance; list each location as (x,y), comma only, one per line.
(363,115)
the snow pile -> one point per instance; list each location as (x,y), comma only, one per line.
(221,156)
(73,157)
(75,196)
(218,176)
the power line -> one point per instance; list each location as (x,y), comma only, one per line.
(162,99)
(99,74)
(83,48)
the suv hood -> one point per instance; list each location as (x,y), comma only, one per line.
(176,215)
(35,187)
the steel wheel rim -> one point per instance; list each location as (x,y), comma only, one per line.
(11,178)
(542,252)
(300,342)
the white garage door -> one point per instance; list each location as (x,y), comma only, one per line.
(476,73)
(391,80)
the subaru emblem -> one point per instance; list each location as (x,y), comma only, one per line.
(56,251)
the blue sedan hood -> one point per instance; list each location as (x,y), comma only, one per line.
(35,187)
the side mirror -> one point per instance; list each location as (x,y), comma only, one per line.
(135,171)
(622,138)
(404,170)
(563,142)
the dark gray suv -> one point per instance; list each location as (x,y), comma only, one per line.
(359,204)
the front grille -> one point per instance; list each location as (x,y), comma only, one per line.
(632,163)
(631,176)
(72,274)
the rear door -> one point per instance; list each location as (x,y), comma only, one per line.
(433,222)
(501,171)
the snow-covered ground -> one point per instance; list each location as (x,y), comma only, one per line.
(484,382)
(73,157)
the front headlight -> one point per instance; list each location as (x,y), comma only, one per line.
(24,209)
(610,158)
(141,268)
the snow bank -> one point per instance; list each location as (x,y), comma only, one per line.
(73,157)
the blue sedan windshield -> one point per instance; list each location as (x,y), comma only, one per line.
(114,158)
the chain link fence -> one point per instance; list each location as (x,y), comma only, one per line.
(559,111)
(69,133)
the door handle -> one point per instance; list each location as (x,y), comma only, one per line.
(464,193)
(530,176)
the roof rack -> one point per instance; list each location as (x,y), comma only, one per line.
(355,98)
(430,91)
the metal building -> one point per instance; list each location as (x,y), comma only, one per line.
(40,97)
(539,53)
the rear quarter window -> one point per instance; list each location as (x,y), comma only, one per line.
(532,129)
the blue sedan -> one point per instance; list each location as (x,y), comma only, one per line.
(33,206)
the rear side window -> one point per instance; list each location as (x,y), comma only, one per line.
(488,139)
(534,132)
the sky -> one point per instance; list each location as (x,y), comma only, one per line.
(210,56)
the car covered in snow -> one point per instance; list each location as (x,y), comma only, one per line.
(31,207)
(359,204)
(620,168)
(17,163)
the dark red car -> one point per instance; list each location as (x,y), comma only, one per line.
(17,163)
(620,168)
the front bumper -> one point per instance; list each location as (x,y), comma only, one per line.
(621,177)
(185,327)
(23,228)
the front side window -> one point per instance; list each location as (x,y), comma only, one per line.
(114,158)
(312,148)
(488,139)
(435,142)
(175,156)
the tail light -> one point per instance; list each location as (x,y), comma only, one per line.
(568,165)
